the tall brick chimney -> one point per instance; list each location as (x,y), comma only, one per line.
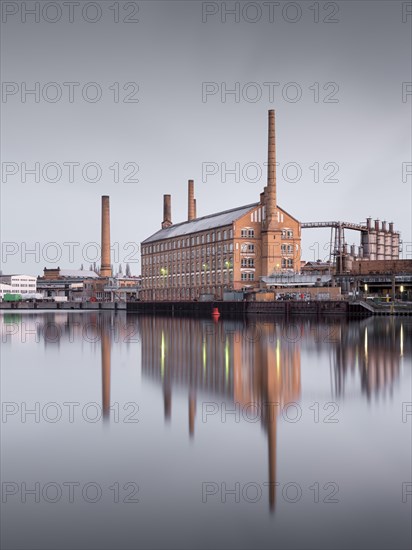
(105,267)
(191,215)
(167,211)
(270,191)
(194,207)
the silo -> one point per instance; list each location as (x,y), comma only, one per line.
(395,246)
(373,243)
(365,244)
(380,242)
(388,242)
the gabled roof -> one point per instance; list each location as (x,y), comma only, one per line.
(212,221)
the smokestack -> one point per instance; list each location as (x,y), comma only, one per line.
(377,225)
(105,268)
(390,227)
(383,226)
(167,211)
(368,222)
(271,186)
(191,201)
(194,207)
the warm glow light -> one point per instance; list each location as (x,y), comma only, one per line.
(365,287)
(204,356)
(227,358)
(278,354)
(401,342)
(401,289)
(162,355)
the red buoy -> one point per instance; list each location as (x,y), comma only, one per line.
(215,313)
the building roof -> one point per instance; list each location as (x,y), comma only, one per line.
(212,221)
(15,275)
(200,224)
(81,273)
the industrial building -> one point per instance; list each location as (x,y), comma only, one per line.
(229,250)
(19,284)
(85,285)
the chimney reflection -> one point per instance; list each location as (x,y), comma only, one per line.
(249,365)
(192,413)
(106,367)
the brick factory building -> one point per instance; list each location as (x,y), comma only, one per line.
(225,251)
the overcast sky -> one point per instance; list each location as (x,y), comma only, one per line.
(336,73)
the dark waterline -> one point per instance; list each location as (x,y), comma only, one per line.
(156,432)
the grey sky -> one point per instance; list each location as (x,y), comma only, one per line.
(171,132)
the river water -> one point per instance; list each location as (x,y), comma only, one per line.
(123,431)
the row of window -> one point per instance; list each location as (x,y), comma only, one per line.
(187,280)
(24,285)
(189,241)
(247,262)
(247,233)
(199,265)
(185,255)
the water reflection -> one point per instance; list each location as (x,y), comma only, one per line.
(255,364)
(374,348)
(249,365)
(258,363)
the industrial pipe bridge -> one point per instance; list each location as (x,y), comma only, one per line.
(342,225)
(376,241)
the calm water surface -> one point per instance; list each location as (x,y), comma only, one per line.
(121,431)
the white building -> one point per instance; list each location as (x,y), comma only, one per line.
(5,289)
(20,284)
